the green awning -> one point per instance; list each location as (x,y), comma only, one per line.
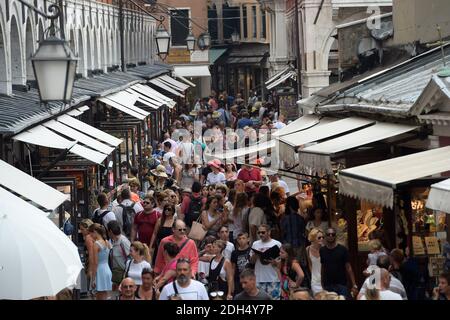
(215,54)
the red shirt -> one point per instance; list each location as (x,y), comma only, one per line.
(253,174)
(145,224)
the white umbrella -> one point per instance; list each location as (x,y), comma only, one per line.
(36,258)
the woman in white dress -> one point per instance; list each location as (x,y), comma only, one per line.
(316,238)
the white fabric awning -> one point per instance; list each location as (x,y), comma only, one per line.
(152,93)
(192,71)
(30,188)
(376,182)
(300,124)
(439,197)
(42,136)
(317,158)
(90,130)
(130,109)
(186,81)
(281,80)
(166,87)
(329,130)
(77,135)
(145,95)
(242,152)
(69,133)
(180,85)
(278,75)
(145,100)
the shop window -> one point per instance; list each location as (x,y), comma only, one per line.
(255,24)
(231,21)
(244,20)
(263,24)
(212,23)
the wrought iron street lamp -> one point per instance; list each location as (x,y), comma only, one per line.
(162,41)
(204,41)
(235,37)
(54,63)
(190,41)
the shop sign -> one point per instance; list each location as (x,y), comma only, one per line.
(418,247)
(436,266)
(432,245)
(200,56)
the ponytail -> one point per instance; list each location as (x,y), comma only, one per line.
(147,256)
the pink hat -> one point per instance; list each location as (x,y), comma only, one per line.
(216,163)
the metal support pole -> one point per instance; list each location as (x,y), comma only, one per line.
(329,199)
(263,87)
(127,148)
(61,20)
(115,152)
(122,37)
(139,146)
(299,55)
(1,147)
(133,150)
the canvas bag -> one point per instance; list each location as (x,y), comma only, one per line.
(197,231)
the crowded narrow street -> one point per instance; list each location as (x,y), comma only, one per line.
(224,150)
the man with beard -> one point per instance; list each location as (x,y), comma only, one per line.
(184,287)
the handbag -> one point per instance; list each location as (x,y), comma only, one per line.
(197,231)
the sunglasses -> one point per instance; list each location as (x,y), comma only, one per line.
(182,230)
(183,260)
(261,232)
(331,234)
(319,238)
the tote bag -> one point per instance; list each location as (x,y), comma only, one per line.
(197,231)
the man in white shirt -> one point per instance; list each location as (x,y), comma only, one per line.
(383,287)
(224,235)
(274,178)
(395,285)
(173,143)
(266,271)
(126,202)
(167,156)
(217,175)
(185,151)
(184,287)
(280,123)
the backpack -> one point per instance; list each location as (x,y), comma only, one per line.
(127,216)
(99,218)
(194,211)
(68,227)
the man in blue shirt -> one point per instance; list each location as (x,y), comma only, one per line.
(245,121)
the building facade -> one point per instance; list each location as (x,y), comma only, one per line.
(318,22)
(91,27)
(181,17)
(241,63)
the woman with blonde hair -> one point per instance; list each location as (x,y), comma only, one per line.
(140,254)
(101,275)
(316,237)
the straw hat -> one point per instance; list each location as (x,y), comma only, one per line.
(160,171)
(216,114)
(193,113)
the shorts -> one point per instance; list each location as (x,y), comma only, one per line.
(273,289)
